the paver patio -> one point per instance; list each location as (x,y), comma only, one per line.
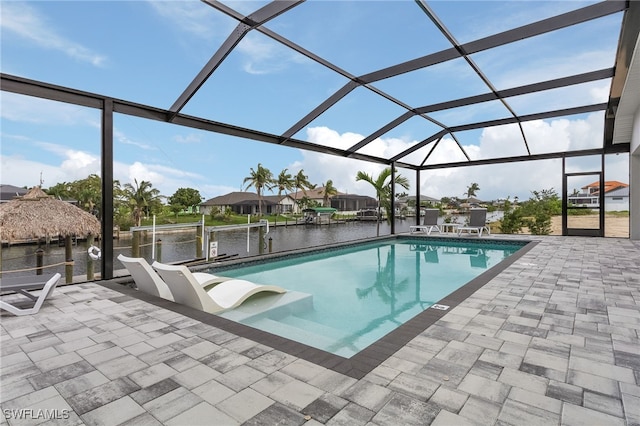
(552,339)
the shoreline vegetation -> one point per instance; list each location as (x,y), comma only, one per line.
(616,224)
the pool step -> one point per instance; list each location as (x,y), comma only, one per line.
(299,334)
(314,327)
(271,305)
(306,331)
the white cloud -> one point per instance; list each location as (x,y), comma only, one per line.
(510,179)
(25,21)
(27,109)
(327,137)
(20,172)
(80,164)
(139,172)
(600,94)
(260,55)
(192,17)
(188,139)
(74,165)
(124,139)
(264,56)
(166,179)
(501,141)
(210,191)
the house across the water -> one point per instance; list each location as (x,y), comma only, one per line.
(242,202)
(247,203)
(616,196)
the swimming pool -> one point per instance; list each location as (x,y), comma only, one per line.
(343,300)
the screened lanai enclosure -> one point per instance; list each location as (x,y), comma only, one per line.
(426,88)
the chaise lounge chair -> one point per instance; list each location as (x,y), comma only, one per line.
(429,223)
(148,280)
(23,288)
(477,222)
(226,295)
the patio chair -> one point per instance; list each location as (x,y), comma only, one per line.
(479,260)
(226,295)
(47,290)
(477,223)
(429,223)
(431,255)
(148,280)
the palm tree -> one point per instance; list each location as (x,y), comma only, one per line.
(472,189)
(383,189)
(385,284)
(260,179)
(60,191)
(284,183)
(142,198)
(301,182)
(328,191)
(88,192)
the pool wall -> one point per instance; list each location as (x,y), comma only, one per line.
(217,268)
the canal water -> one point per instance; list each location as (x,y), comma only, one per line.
(19,260)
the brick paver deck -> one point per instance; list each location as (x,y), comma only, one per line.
(552,339)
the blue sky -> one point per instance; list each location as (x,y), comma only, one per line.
(149,51)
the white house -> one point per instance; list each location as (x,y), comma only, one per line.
(616,196)
(617,199)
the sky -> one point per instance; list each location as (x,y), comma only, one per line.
(149,51)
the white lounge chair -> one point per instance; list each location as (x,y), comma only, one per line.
(477,223)
(226,295)
(23,288)
(148,280)
(429,223)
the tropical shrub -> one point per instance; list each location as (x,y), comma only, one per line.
(537,211)
(511,222)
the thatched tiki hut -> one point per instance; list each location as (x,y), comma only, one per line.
(37,215)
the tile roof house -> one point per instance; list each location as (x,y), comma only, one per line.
(609,185)
(616,196)
(315,194)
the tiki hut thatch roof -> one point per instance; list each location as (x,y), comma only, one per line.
(38,215)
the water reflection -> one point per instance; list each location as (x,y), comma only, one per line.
(181,246)
(385,284)
(360,293)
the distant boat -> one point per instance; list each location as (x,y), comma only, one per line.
(368,215)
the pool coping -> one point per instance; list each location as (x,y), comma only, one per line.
(367,359)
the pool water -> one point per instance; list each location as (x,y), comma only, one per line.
(345,299)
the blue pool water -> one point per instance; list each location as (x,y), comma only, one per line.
(342,300)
